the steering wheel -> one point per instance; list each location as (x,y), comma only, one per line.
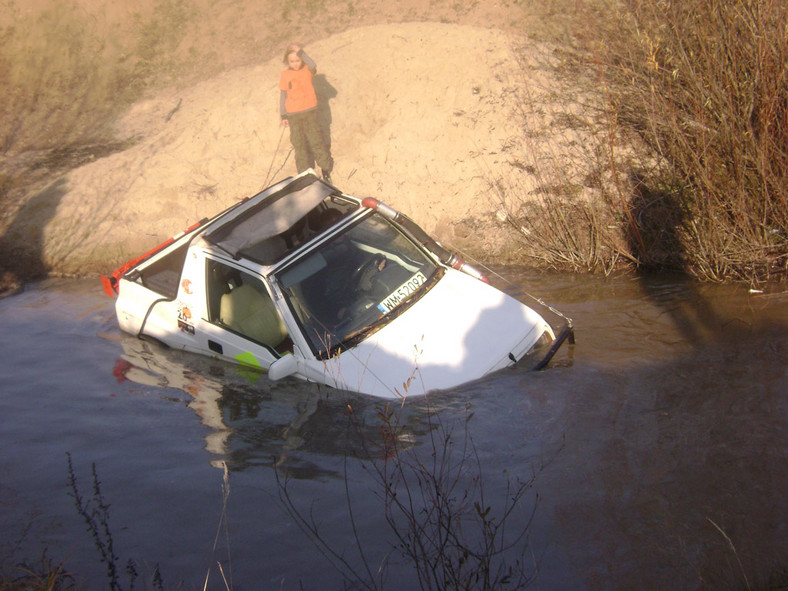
(366,271)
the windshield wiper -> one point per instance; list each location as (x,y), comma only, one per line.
(354,338)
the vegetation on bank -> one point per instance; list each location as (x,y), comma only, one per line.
(688,106)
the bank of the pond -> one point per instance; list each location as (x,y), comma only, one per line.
(428,140)
(438,119)
(483,123)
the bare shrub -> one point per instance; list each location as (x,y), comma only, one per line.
(436,503)
(95,513)
(566,199)
(704,84)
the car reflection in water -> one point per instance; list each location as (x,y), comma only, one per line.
(256,422)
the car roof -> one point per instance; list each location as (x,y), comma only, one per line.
(268,213)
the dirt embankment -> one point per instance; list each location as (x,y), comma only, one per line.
(420,114)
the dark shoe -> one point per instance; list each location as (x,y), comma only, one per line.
(326,176)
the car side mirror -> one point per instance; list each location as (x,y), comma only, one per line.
(285,366)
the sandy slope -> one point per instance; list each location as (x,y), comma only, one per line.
(421,116)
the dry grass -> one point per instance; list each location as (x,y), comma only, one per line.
(59,87)
(43,575)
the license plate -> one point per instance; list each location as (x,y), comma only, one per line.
(392,300)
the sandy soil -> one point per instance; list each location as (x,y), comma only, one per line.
(425,116)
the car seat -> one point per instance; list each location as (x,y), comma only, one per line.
(253,314)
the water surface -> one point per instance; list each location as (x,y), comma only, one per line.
(656,447)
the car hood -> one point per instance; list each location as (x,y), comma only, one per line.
(459,331)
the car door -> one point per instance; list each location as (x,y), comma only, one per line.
(242,323)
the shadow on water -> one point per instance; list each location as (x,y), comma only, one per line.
(22,244)
(705,467)
(672,473)
(655,241)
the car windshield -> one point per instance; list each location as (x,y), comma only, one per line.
(355,282)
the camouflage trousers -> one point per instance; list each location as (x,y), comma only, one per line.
(308,143)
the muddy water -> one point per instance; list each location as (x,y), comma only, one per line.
(656,448)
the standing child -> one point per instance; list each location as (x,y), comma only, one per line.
(298,109)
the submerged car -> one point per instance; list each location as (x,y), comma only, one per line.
(303,280)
